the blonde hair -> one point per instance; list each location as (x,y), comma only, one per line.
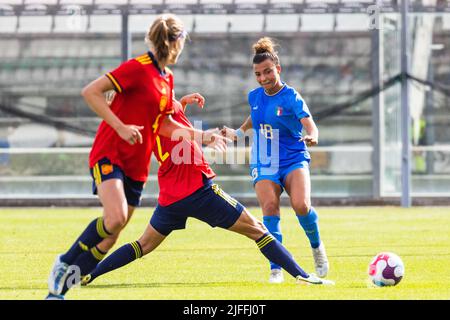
(165,29)
(264,49)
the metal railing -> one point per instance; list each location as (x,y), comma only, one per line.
(329,179)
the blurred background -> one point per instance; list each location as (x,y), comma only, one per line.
(343,56)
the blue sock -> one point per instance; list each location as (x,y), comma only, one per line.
(310,223)
(272,224)
(119,258)
(273,250)
(91,236)
(86,261)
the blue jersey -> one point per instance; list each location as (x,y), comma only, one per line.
(277,127)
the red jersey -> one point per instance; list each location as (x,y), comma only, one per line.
(182,164)
(143,98)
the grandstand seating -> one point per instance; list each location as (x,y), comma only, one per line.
(327,57)
(338,67)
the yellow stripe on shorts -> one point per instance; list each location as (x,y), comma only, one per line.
(217,190)
(97,175)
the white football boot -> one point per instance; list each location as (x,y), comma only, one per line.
(320,260)
(57,276)
(313,279)
(52,296)
(276,276)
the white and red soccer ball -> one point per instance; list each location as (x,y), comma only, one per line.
(386,269)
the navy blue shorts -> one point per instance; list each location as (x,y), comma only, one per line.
(104,170)
(209,204)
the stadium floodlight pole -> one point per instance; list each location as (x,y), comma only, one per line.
(406,114)
(125,38)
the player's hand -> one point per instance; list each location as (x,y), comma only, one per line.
(213,139)
(229,133)
(193,98)
(131,133)
(309,140)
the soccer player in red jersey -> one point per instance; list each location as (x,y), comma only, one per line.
(187,190)
(120,157)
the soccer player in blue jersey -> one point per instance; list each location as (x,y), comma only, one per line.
(280,159)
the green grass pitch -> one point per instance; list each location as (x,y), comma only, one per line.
(205,263)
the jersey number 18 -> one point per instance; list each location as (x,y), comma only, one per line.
(266,129)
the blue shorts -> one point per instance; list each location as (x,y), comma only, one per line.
(279,177)
(104,170)
(208,204)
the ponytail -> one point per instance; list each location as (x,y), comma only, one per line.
(164,30)
(264,49)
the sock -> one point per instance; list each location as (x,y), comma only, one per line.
(86,262)
(272,224)
(273,250)
(119,258)
(310,224)
(91,236)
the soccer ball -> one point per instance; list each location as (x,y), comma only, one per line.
(386,269)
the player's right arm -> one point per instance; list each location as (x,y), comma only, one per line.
(247,124)
(233,133)
(211,137)
(94,95)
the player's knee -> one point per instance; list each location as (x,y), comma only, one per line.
(270,208)
(120,222)
(249,226)
(115,222)
(255,230)
(301,208)
(260,229)
(258,232)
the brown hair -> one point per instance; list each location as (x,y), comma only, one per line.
(264,49)
(165,29)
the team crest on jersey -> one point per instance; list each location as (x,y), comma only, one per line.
(254,173)
(107,169)
(279,111)
(162,103)
(164,98)
(163,86)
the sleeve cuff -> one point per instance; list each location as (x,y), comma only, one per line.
(116,84)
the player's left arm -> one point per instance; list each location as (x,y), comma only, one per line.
(311,137)
(191,99)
